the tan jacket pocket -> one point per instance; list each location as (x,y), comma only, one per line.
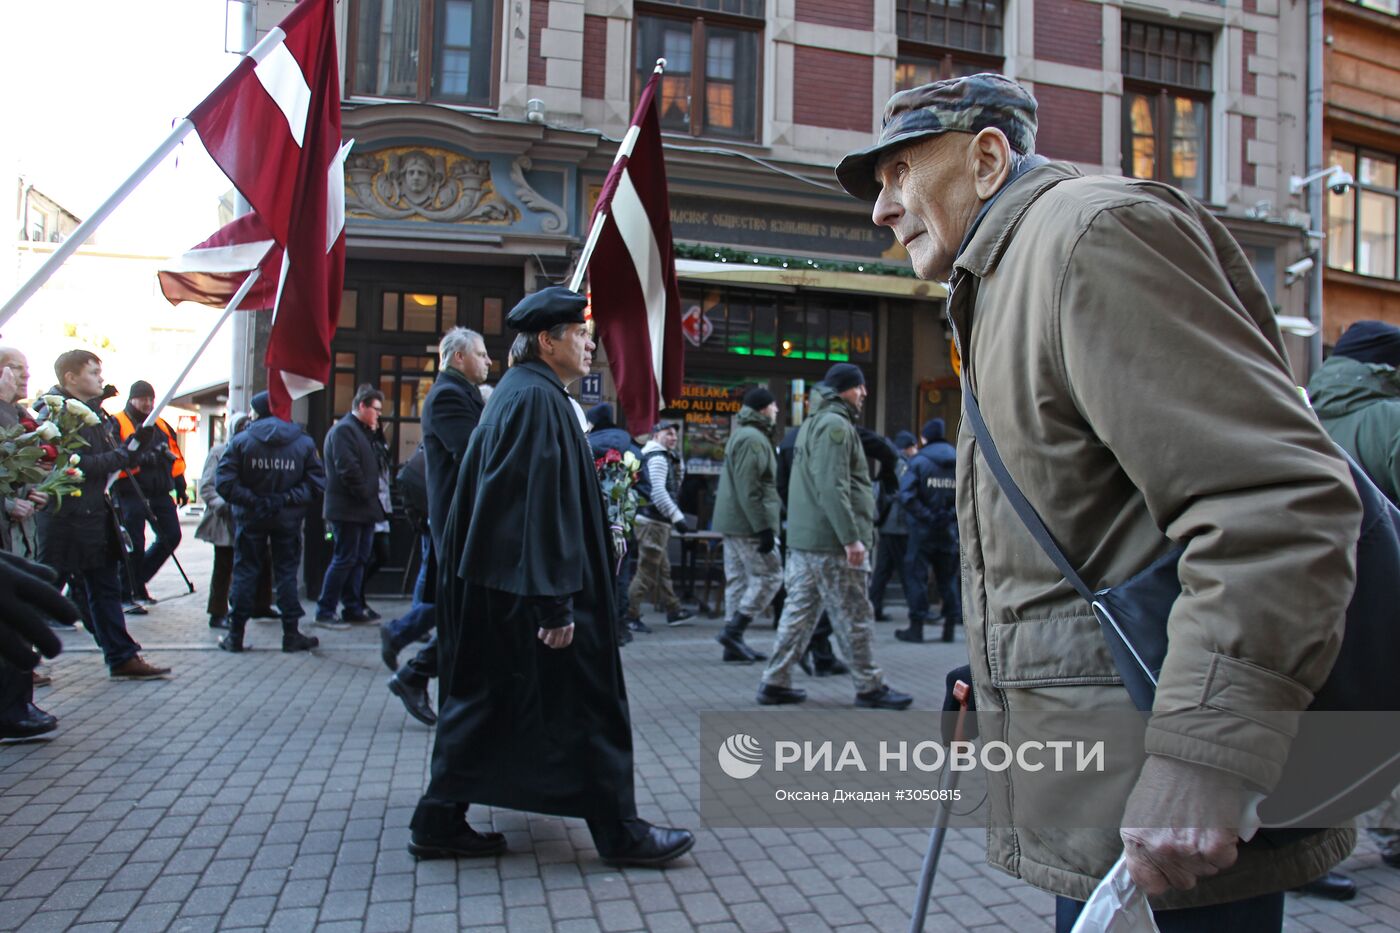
(1059,651)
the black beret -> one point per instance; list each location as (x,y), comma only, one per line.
(547,308)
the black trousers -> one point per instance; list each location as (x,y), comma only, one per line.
(16,692)
(250,546)
(221,583)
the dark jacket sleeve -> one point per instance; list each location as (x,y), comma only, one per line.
(454,419)
(911,488)
(313,477)
(344,460)
(104,455)
(226,481)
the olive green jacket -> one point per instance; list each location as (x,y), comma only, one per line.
(1130,369)
(1359,404)
(830,500)
(747,501)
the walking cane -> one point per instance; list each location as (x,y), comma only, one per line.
(961,692)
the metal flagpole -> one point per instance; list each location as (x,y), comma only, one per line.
(623,151)
(86,229)
(231,307)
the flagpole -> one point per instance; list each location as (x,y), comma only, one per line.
(231,307)
(86,229)
(623,151)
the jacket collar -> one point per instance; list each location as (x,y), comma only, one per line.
(541,368)
(991,232)
(831,400)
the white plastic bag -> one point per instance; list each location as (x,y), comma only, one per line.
(1116,906)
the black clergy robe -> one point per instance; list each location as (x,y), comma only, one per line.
(521,725)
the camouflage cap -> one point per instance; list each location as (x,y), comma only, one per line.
(966,105)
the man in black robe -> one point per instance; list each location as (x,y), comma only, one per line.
(533,706)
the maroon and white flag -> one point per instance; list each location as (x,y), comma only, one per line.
(273,126)
(632,275)
(213,272)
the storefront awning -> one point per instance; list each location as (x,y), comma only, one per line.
(864,283)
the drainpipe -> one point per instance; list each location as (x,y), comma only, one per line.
(1316,190)
(243,371)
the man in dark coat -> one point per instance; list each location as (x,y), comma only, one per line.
(351,507)
(83,540)
(450,414)
(928,493)
(534,709)
(143,495)
(271,475)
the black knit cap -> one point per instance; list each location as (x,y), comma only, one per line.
(933,430)
(141,389)
(758,398)
(600,416)
(904,440)
(1371,342)
(262,404)
(843,376)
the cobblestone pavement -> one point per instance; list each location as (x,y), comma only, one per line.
(272,791)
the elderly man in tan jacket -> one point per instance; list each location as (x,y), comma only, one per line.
(1130,369)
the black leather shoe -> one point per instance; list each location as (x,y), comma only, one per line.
(294,641)
(466,843)
(885,697)
(133,609)
(388,651)
(232,642)
(659,846)
(1334,886)
(772,695)
(911,635)
(218,622)
(357,617)
(34,722)
(266,612)
(1391,858)
(679,617)
(415,700)
(880,616)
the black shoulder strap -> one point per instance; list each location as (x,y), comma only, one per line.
(1018,500)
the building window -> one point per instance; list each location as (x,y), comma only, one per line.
(437,50)
(1361,223)
(946,39)
(710,86)
(1166,105)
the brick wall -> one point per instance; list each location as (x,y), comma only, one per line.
(595,54)
(854,14)
(1251,47)
(832,89)
(1071,123)
(539,19)
(1069,31)
(1249,127)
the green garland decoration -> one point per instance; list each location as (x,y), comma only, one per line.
(742,257)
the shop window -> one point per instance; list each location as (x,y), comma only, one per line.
(1361,223)
(1166,105)
(349,309)
(432,50)
(710,86)
(946,39)
(418,312)
(405,380)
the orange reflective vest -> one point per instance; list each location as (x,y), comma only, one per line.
(177,469)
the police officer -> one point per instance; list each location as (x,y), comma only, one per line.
(271,474)
(831,527)
(928,494)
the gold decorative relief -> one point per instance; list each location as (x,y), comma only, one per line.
(423,183)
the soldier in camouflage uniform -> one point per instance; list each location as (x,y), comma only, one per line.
(831,527)
(748,512)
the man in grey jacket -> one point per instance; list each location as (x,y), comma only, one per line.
(1101,321)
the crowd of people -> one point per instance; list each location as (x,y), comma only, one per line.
(1079,371)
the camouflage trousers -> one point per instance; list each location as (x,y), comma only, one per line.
(751,578)
(652,581)
(818,580)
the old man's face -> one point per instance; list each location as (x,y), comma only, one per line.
(928,197)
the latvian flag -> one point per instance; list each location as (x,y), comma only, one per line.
(273,126)
(212,273)
(632,274)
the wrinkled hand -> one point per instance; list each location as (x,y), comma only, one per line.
(765,541)
(855,554)
(21,509)
(29,593)
(39,498)
(557,637)
(1181,824)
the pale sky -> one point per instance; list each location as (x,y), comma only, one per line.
(91,87)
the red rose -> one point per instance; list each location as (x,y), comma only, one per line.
(28,423)
(50,451)
(612,456)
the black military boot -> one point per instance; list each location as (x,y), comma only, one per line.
(949,623)
(293,640)
(732,638)
(914,633)
(233,641)
(439,830)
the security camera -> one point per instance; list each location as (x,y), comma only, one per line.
(1298,268)
(1336,178)
(1340,181)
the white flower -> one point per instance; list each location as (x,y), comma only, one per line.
(54,403)
(74,406)
(630,460)
(48,431)
(73,459)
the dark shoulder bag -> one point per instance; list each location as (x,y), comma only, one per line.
(1331,775)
